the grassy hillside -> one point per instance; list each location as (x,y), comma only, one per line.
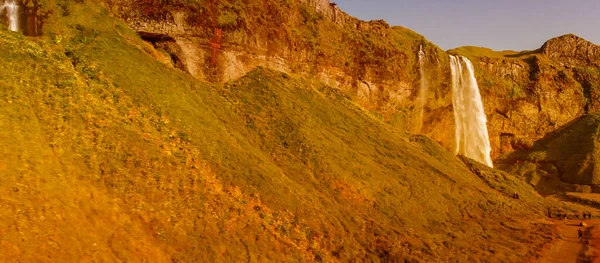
(109,155)
(475,52)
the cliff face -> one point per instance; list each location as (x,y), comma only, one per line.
(526,95)
(373,63)
(530,94)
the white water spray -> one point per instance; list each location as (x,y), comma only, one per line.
(472,138)
(12,12)
(422,91)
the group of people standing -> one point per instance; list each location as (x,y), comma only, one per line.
(585,215)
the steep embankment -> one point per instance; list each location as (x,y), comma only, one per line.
(108,155)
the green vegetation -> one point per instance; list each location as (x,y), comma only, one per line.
(516,92)
(108,155)
(473,52)
(320,44)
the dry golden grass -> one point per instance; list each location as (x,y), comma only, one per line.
(108,155)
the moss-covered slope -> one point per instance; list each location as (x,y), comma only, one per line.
(109,155)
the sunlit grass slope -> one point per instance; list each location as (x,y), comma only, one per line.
(108,155)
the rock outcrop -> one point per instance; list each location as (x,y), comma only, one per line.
(571,51)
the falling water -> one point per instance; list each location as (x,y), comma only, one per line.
(422,91)
(471,132)
(12,12)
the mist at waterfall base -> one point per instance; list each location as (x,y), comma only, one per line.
(11,9)
(471,134)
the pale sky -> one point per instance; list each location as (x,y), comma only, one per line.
(496,24)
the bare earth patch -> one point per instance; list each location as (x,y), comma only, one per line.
(567,246)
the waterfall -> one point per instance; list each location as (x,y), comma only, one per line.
(12,12)
(471,133)
(422,99)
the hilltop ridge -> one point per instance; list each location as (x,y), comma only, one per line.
(568,46)
(376,65)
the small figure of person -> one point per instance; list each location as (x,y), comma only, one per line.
(580,234)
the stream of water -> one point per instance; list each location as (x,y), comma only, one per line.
(471,134)
(12,12)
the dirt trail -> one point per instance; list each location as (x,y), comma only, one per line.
(568,248)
